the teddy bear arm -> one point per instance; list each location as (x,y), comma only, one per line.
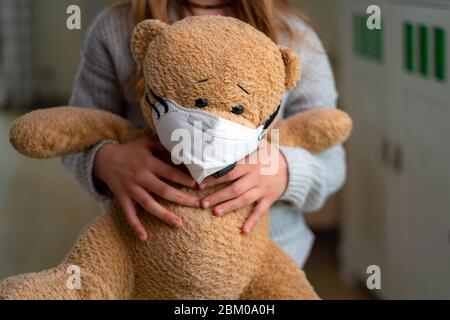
(315,130)
(60,131)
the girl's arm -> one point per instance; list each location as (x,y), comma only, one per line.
(96,86)
(313,177)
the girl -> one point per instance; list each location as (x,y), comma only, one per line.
(303,180)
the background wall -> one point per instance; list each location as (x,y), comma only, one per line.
(57,49)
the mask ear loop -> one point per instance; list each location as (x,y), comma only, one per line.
(159,99)
(147,100)
(268,122)
(271,118)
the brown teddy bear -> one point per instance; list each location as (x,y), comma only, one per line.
(227,63)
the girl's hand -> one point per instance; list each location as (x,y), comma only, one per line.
(261,178)
(133,173)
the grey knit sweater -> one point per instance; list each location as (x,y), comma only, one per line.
(103,82)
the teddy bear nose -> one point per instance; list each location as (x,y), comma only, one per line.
(201,103)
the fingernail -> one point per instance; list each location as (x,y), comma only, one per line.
(176,223)
(202,186)
(206,204)
(219,211)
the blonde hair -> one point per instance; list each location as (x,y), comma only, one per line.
(268,16)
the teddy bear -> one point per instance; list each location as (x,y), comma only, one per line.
(219,65)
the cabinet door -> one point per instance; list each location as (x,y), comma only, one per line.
(426,197)
(367,183)
(421,101)
(366,195)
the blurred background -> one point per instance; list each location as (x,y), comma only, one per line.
(394,209)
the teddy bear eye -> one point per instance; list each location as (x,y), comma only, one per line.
(238,110)
(201,103)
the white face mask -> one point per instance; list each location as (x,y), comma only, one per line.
(205,143)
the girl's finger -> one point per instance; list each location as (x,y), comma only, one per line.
(241,202)
(234,190)
(149,204)
(170,173)
(129,211)
(157,147)
(261,208)
(236,173)
(154,185)
(148,143)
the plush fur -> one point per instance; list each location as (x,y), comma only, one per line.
(209,257)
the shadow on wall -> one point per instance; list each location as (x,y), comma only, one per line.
(42,210)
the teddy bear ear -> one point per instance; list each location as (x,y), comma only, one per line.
(143,34)
(291,66)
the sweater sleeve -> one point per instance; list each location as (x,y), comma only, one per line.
(312,177)
(96,86)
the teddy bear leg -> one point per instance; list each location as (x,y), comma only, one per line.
(34,286)
(98,267)
(279,279)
